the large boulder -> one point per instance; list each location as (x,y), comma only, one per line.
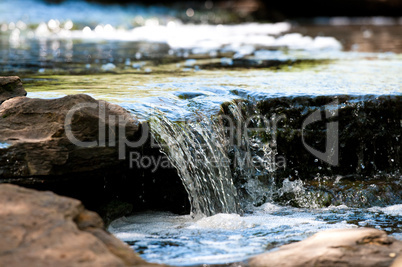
(40,144)
(11,86)
(336,247)
(36,152)
(44,229)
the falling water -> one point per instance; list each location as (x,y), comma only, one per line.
(199,151)
(226,162)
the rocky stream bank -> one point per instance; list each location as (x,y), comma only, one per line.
(41,228)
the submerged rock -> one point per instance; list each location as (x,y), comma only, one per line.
(44,229)
(11,86)
(337,247)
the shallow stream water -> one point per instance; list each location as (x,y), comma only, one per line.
(148,61)
(222,238)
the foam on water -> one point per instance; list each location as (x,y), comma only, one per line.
(201,39)
(394,210)
(223,238)
(35,21)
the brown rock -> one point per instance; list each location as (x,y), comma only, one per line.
(35,128)
(337,247)
(44,229)
(10,86)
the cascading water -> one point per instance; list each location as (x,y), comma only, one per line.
(198,150)
(230,163)
(227,162)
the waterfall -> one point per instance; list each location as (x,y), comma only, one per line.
(199,151)
(221,168)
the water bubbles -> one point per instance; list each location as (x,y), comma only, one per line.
(4,27)
(108,28)
(99,29)
(42,30)
(11,26)
(226,61)
(190,12)
(214,53)
(53,25)
(138,21)
(68,25)
(139,65)
(108,67)
(15,38)
(171,24)
(86,30)
(21,25)
(55,45)
(153,22)
(190,62)
(209,4)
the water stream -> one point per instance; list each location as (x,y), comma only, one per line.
(222,238)
(198,150)
(198,85)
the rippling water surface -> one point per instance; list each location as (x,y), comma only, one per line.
(181,240)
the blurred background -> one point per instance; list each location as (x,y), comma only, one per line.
(37,36)
(281,10)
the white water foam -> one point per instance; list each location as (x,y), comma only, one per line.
(201,39)
(79,20)
(394,210)
(181,240)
